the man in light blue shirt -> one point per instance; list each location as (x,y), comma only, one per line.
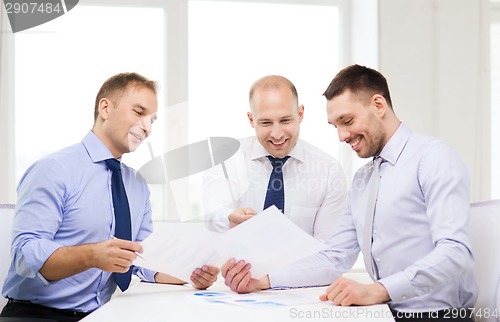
(64,258)
(418,244)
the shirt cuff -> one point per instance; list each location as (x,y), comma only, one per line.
(280,280)
(398,287)
(145,274)
(219,221)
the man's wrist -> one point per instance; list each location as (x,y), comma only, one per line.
(381,293)
(264,283)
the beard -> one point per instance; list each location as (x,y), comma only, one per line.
(375,143)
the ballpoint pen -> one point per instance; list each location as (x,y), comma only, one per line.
(138,255)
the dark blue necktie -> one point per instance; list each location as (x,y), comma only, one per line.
(123,228)
(275,188)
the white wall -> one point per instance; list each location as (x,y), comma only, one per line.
(434,54)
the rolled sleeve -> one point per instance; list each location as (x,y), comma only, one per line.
(33,255)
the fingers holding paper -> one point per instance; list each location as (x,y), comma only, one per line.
(204,277)
(347,292)
(240,215)
(238,278)
(201,278)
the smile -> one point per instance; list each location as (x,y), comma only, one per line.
(354,143)
(279,142)
(137,136)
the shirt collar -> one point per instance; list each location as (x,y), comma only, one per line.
(396,144)
(297,152)
(95,148)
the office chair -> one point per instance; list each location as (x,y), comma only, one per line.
(485,240)
(6,218)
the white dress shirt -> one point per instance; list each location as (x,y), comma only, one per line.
(420,244)
(315,194)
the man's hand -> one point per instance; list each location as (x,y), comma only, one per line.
(347,292)
(240,215)
(115,255)
(204,277)
(238,278)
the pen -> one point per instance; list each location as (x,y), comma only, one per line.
(139,255)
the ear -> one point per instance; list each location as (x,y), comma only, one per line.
(301,113)
(104,106)
(380,104)
(250,119)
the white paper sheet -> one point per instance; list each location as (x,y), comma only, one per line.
(177,249)
(268,241)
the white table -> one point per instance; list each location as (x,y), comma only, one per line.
(157,302)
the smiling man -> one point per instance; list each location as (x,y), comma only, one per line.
(408,209)
(275,167)
(67,258)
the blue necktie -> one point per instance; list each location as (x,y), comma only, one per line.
(123,229)
(275,188)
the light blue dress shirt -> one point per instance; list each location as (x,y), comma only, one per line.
(65,200)
(420,232)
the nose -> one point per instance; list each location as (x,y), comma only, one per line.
(276,132)
(147,125)
(343,134)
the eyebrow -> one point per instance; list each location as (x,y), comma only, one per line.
(269,120)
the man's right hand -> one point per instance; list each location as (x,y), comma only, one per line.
(112,255)
(240,215)
(115,255)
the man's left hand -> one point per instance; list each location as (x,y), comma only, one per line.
(238,278)
(347,292)
(204,277)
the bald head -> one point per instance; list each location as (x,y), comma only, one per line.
(270,83)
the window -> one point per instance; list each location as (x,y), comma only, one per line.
(56,88)
(233,43)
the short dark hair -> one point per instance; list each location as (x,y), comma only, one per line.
(114,87)
(360,80)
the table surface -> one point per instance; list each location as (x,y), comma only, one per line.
(160,302)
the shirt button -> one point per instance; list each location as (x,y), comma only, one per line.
(377,259)
(403,297)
